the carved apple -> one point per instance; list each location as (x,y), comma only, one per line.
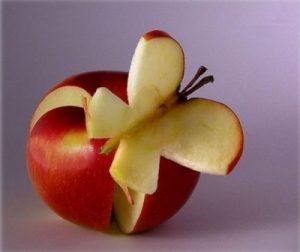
(104,141)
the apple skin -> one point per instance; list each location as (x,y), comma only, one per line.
(155,34)
(175,185)
(67,170)
(73,179)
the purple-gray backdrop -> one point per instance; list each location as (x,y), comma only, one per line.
(253,51)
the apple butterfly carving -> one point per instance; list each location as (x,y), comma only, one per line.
(160,121)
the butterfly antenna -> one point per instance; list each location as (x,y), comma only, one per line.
(201,70)
(195,83)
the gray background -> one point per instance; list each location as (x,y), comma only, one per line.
(252,48)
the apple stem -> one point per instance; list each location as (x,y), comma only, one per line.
(195,83)
(201,70)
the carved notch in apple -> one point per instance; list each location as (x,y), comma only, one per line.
(134,144)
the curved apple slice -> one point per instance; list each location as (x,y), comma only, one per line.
(156,71)
(126,214)
(60,97)
(200,134)
(136,164)
(175,185)
(211,139)
(108,115)
(136,161)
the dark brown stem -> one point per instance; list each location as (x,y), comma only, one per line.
(201,70)
(193,85)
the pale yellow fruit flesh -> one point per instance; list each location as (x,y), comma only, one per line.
(155,74)
(210,139)
(108,115)
(156,71)
(200,134)
(127,215)
(136,164)
(60,97)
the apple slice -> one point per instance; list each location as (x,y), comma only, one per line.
(155,73)
(77,91)
(200,134)
(127,215)
(211,139)
(136,163)
(60,97)
(108,115)
(175,185)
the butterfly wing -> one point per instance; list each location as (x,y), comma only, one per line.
(107,114)
(60,97)
(136,161)
(210,139)
(155,73)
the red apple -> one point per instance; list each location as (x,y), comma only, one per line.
(135,144)
(73,178)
